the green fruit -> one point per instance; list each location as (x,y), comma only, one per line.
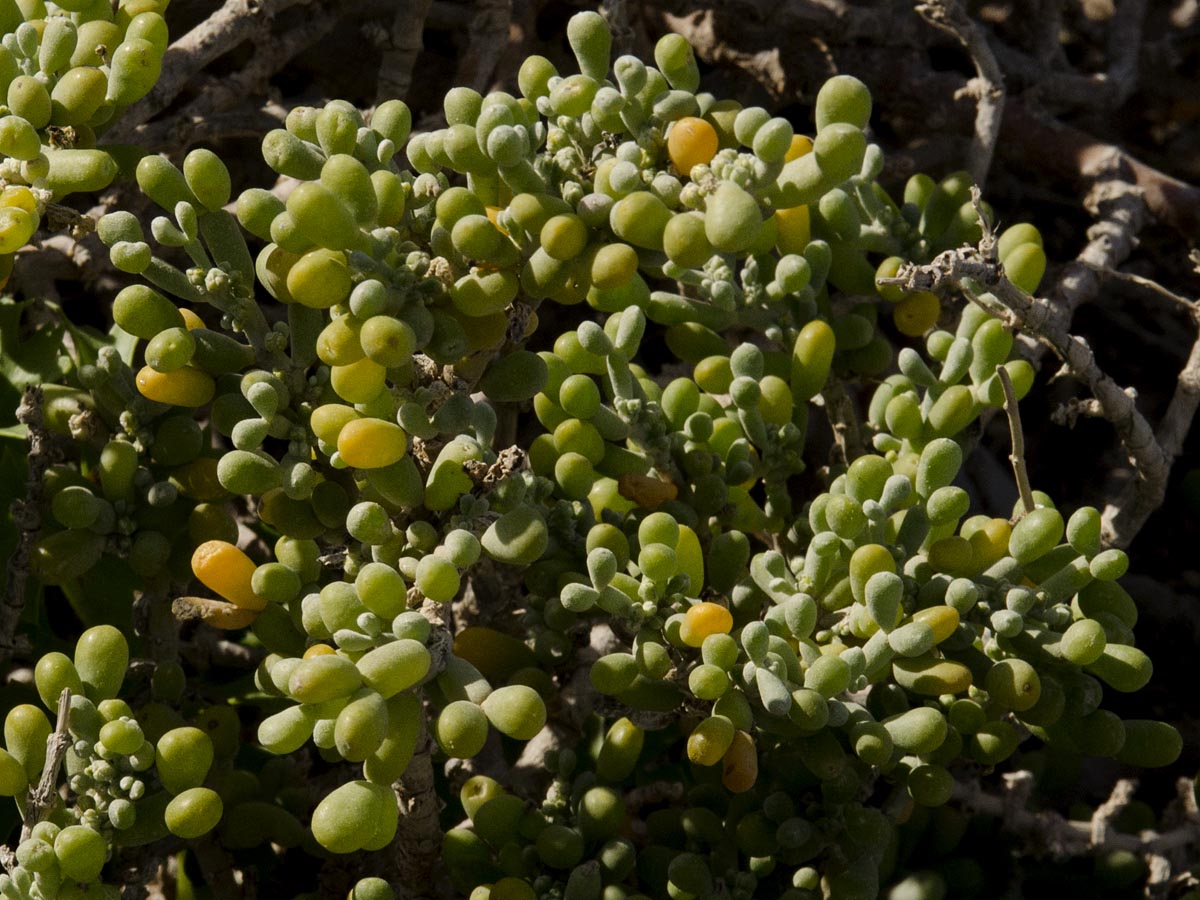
(993,743)
(560,847)
(149,26)
(194,813)
(1024,265)
(393,120)
(29,99)
(930,676)
(516,711)
(13,778)
(395,666)
(182,758)
(372,888)
(812,357)
(350,182)
(134,70)
(620,750)
(591,41)
(1036,534)
(920,730)
(74,171)
(81,853)
(321,678)
(1014,684)
(77,95)
(1122,667)
(843,98)
(66,555)
(939,463)
(208,179)
(289,155)
(496,819)
(1150,744)
(1083,642)
(287,730)
(18,138)
(122,736)
(361,727)
(838,151)
(320,216)
(53,674)
(101,657)
(732,219)
(461,729)
(930,785)
(26,729)
(685,240)
(640,219)
(518,537)
(1099,733)
(356,816)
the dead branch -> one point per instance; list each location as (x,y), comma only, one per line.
(234,23)
(400,47)
(27,516)
(142,873)
(616,13)
(206,648)
(45,792)
(843,421)
(970,271)
(487,40)
(1124,50)
(1048,79)
(418,843)
(215,112)
(1035,141)
(187,128)
(836,21)
(1120,209)
(1144,493)
(1061,837)
(987,87)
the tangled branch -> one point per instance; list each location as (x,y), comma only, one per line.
(1052,834)
(975,272)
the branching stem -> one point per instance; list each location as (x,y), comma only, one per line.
(42,795)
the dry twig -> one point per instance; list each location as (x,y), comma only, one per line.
(234,23)
(1017,456)
(843,420)
(215,112)
(401,45)
(987,87)
(27,516)
(487,38)
(43,794)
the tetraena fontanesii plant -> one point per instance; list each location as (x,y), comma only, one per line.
(651,599)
